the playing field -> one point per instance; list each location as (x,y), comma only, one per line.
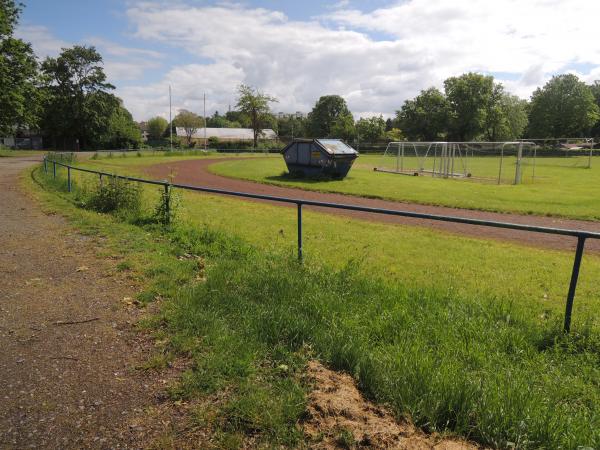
(562,186)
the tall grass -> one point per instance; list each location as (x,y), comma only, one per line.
(476,367)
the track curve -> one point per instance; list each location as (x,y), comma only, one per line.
(196,172)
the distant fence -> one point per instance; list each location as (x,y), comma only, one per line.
(581,236)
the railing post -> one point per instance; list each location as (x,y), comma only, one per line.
(69,178)
(54,169)
(300,232)
(167,205)
(573,285)
(45,165)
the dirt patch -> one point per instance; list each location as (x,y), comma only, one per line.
(196,172)
(339,417)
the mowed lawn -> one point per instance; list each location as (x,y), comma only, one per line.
(563,186)
(466,336)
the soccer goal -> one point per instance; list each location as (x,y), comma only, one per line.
(565,152)
(493,162)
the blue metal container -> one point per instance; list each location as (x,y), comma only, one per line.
(314,157)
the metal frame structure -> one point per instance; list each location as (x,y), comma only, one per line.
(581,235)
(566,140)
(445,155)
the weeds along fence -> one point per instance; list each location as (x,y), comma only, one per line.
(581,236)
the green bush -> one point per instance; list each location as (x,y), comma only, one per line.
(115,194)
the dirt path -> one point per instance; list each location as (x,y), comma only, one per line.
(196,172)
(64,385)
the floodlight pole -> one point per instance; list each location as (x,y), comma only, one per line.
(205,122)
(170,122)
(590,157)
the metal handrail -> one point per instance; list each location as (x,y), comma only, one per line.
(581,235)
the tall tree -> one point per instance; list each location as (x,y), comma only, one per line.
(79,105)
(9,17)
(327,115)
(343,127)
(515,117)
(595,88)
(157,127)
(564,107)
(122,131)
(255,105)
(190,122)
(219,121)
(468,98)
(371,129)
(19,94)
(292,126)
(425,117)
(506,116)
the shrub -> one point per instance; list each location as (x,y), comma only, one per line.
(166,208)
(115,194)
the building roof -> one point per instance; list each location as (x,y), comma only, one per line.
(228,133)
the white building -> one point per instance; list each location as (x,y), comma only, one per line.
(227,134)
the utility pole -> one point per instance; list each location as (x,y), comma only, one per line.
(170,121)
(205,143)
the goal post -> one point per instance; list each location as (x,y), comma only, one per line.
(476,160)
(576,152)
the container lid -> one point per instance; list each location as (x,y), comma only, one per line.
(336,147)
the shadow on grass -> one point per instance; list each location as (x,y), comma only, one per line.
(301,178)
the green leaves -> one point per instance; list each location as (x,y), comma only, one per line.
(564,107)
(19,98)
(157,127)
(371,129)
(255,104)
(425,117)
(331,117)
(78,103)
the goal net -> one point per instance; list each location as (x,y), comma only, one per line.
(491,162)
(564,153)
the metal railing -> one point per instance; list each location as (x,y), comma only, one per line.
(581,235)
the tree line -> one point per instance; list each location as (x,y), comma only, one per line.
(470,107)
(68,97)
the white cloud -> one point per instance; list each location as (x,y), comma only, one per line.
(295,61)
(374,59)
(189,83)
(532,38)
(125,63)
(120,63)
(44,43)
(425,42)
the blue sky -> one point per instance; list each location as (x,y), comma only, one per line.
(374,53)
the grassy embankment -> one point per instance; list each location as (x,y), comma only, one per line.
(461,334)
(558,190)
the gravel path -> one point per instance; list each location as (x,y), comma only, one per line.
(196,172)
(64,385)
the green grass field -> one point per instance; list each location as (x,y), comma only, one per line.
(563,186)
(461,334)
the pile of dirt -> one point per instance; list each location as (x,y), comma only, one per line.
(339,417)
